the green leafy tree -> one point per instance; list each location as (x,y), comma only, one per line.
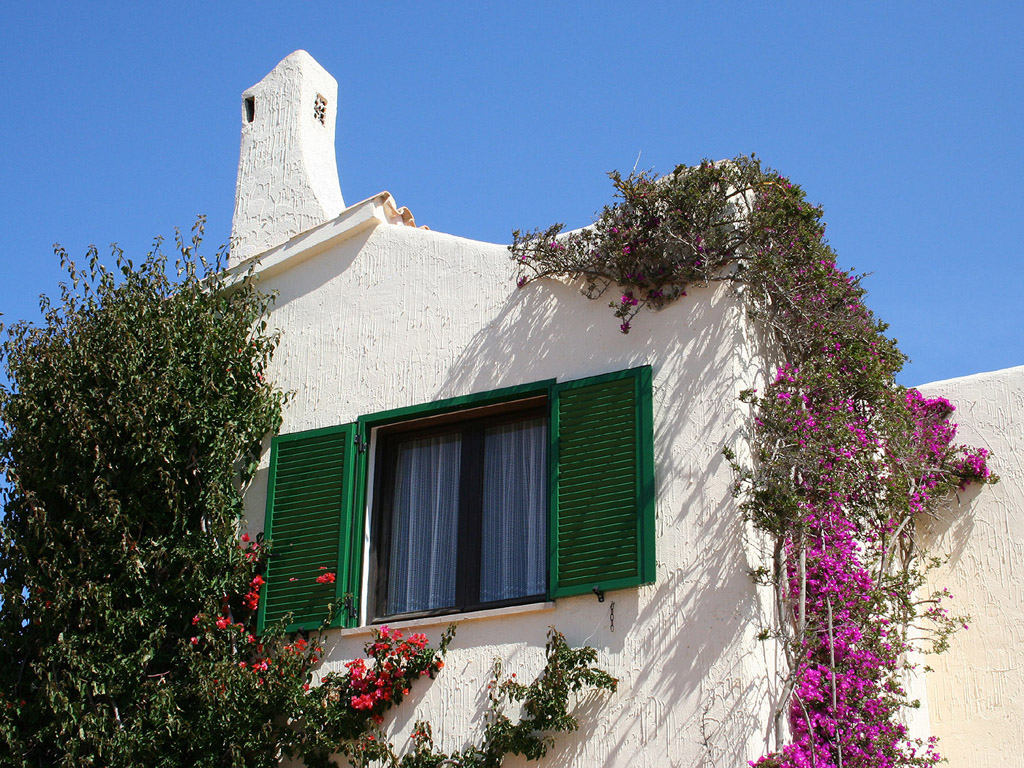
(133,419)
(132,425)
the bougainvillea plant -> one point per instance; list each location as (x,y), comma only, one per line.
(845,460)
(134,420)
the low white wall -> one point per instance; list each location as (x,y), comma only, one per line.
(974,693)
(395,316)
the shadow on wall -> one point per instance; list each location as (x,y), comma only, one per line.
(685,643)
(692,677)
(952,525)
(314,272)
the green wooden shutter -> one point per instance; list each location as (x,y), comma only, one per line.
(602,489)
(309,511)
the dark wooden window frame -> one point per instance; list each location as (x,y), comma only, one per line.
(471,427)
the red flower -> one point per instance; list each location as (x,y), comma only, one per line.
(362,702)
(325,578)
(222,622)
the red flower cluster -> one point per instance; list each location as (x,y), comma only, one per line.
(395,661)
(251,550)
(326,578)
(252,597)
(228,635)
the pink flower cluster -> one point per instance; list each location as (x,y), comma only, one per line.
(973,465)
(851,652)
(845,457)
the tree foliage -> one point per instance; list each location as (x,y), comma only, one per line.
(134,416)
(133,423)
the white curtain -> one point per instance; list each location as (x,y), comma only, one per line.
(514,549)
(424,525)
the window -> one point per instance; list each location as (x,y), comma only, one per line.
(533,492)
(460,512)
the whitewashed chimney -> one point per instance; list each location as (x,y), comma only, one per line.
(287,171)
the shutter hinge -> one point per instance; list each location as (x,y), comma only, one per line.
(360,442)
(350,607)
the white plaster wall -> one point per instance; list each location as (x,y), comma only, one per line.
(974,694)
(287,173)
(395,316)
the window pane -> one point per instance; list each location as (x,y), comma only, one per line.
(514,557)
(424,525)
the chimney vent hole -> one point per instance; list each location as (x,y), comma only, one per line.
(320,110)
(250,108)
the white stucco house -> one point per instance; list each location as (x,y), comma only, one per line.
(422,377)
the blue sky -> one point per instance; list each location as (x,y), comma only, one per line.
(121,121)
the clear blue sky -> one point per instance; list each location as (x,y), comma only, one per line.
(119,122)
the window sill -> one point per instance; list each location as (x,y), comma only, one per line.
(453,618)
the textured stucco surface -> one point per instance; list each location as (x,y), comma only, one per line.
(974,695)
(393,316)
(287,174)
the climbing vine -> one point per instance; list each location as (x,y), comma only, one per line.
(543,705)
(845,460)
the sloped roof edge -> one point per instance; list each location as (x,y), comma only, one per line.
(379,209)
(1014,371)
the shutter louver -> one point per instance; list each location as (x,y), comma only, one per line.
(603,487)
(309,503)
